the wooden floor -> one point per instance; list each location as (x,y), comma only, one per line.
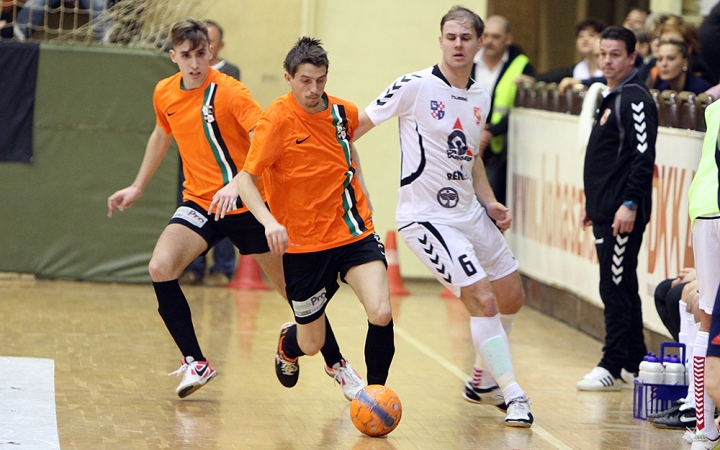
(112,355)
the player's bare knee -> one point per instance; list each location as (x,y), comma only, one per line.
(381,316)
(159,270)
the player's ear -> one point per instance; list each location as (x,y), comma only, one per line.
(172,55)
(287,78)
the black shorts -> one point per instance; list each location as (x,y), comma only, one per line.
(311,278)
(244,230)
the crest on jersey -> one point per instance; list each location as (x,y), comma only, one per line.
(437,109)
(457,144)
(478,116)
(447,197)
(208,113)
(342,129)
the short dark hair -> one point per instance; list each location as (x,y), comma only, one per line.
(305,50)
(591,24)
(645,11)
(189,30)
(615,33)
(679,44)
(212,23)
(462,14)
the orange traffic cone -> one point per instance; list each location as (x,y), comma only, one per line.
(248,275)
(393,269)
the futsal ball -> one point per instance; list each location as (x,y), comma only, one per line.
(376,410)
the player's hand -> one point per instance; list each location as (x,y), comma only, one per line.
(624,220)
(585,220)
(686,274)
(277,238)
(123,199)
(500,214)
(224,200)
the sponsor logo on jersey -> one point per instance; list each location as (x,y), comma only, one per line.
(342,130)
(457,144)
(190,216)
(605,116)
(208,113)
(457,97)
(447,197)
(437,109)
(310,306)
(457,175)
(478,116)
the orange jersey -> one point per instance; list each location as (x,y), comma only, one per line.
(310,175)
(211,126)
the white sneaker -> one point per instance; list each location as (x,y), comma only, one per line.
(195,375)
(599,379)
(689,435)
(350,381)
(488,396)
(701,442)
(628,379)
(518,413)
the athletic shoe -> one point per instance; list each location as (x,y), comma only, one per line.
(701,442)
(675,406)
(599,379)
(486,396)
(287,370)
(195,375)
(518,413)
(682,418)
(628,379)
(350,382)
(689,435)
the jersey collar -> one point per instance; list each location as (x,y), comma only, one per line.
(436,71)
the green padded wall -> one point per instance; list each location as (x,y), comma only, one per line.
(93,116)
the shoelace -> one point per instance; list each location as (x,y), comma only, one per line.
(287,367)
(181,370)
(343,374)
(522,404)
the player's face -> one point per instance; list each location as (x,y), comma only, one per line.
(615,61)
(194,64)
(459,43)
(307,86)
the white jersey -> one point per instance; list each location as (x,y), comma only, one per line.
(440,127)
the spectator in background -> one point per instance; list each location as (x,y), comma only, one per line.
(497,65)
(33,13)
(586,36)
(709,40)
(670,27)
(672,63)
(636,19)
(224,256)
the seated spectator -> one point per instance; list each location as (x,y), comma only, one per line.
(587,33)
(636,19)
(33,13)
(670,27)
(672,63)
(668,295)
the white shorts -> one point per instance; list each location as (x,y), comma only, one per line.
(706,248)
(463,254)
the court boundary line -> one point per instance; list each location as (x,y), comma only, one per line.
(450,367)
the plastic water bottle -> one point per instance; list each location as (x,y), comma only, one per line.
(651,370)
(674,370)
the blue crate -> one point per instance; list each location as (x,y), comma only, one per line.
(651,398)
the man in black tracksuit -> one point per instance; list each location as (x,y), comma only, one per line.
(618,174)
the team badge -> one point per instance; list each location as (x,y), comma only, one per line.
(605,116)
(478,116)
(342,131)
(437,109)
(448,197)
(208,113)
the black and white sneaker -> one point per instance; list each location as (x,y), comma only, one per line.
(518,413)
(485,396)
(683,417)
(287,370)
(675,406)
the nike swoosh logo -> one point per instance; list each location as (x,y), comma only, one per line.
(201,372)
(686,419)
(171,113)
(300,141)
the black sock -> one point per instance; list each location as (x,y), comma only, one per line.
(290,346)
(330,349)
(379,352)
(175,312)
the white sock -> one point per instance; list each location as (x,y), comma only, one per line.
(481,377)
(491,342)
(704,406)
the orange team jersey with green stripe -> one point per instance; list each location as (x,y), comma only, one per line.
(309,174)
(211,126)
